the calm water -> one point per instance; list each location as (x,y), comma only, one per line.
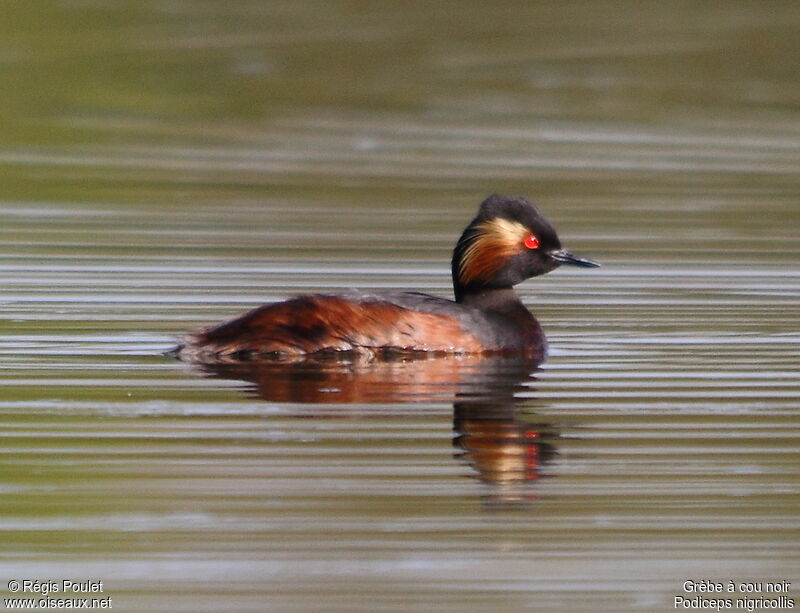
(168,164)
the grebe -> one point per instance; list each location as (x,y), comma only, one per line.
(508,241)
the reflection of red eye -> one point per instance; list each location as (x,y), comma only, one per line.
(531,242)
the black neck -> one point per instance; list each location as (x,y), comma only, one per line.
(499,299)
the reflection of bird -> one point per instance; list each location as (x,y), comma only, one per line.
(505,445)
(507,242)
(340,380)
(507,452)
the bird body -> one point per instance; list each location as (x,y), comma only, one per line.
(508,241)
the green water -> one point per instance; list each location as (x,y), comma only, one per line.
(164,165)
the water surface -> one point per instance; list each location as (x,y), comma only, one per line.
(167,165)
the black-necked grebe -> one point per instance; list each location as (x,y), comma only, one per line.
(508,241)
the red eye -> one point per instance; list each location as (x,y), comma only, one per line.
(531,242)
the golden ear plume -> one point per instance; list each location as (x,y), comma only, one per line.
(494,242)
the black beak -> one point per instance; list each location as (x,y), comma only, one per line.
(562,256)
